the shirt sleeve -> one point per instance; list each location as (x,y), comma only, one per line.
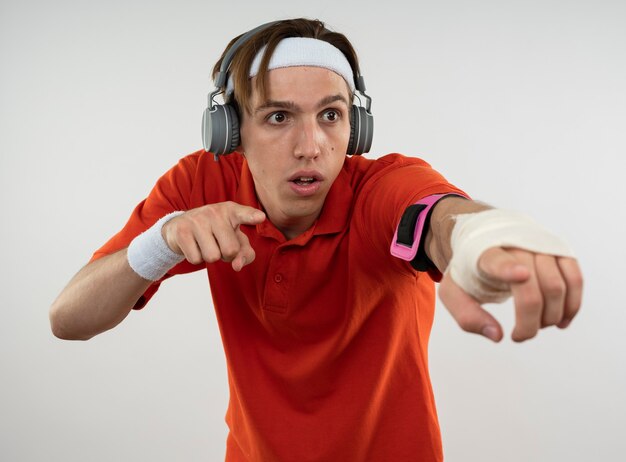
(171,193)
(398,182)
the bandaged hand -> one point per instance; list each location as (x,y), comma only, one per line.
(496,254)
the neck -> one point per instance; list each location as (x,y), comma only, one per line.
(292,228)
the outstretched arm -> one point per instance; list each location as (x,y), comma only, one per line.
(547,289)
(102,293)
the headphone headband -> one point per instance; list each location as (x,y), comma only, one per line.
(221,78)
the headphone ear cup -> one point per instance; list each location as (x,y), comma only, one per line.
(235,139)
(361,131)
(353,123)
(220,129)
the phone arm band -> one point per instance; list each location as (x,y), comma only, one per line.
(410,237)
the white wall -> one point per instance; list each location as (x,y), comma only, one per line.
(521,103)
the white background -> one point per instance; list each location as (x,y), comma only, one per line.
(521,103)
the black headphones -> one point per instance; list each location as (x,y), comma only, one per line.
(220,122)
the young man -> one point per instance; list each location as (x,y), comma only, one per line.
(325,328)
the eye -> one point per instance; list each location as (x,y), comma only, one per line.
(331,115)
(277,118)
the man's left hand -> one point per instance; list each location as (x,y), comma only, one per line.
(547,291)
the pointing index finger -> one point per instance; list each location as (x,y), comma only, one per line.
(244,215)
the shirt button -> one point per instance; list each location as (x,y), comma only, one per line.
(278,277)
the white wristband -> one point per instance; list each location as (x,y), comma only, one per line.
(473,233)
(149,255)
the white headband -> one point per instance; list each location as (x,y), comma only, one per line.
(302,51)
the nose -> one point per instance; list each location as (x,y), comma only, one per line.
(309,140)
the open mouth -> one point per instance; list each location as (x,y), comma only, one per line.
(304,180)
(305,183)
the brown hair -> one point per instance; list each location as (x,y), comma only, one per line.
(270,36)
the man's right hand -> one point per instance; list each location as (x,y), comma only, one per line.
(211,233)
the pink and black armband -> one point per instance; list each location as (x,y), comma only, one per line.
(410,236)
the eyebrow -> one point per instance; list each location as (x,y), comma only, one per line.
(294,107)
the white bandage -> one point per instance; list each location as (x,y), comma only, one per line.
(473,233)
(149,255)
(303,51)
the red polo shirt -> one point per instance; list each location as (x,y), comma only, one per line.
(325,335)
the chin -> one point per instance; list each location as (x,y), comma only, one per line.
(304,208)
